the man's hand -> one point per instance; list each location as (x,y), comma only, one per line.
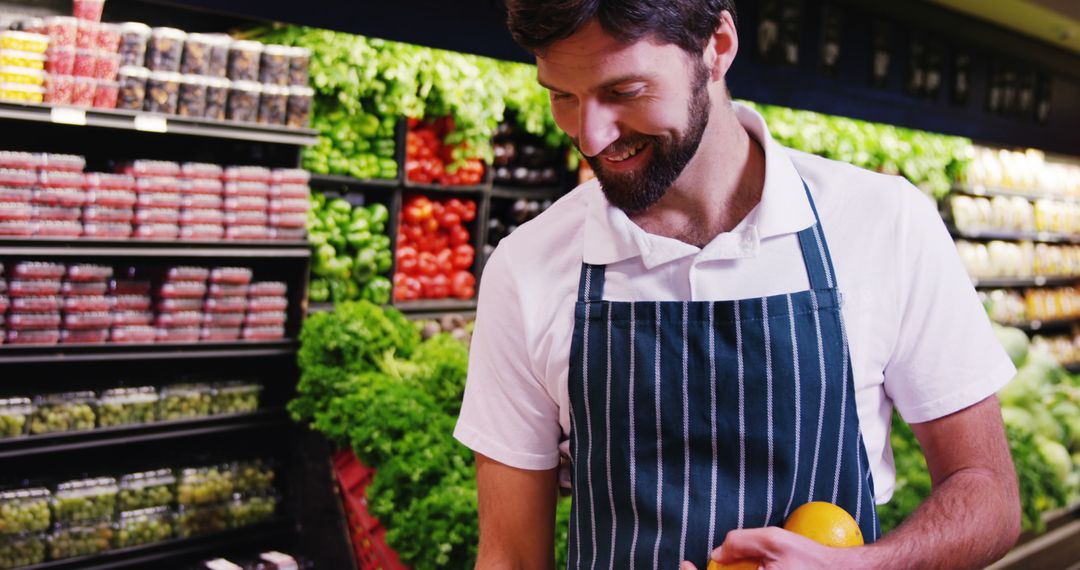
(774,548)
(517,516)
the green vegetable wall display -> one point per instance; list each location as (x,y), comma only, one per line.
(351,251)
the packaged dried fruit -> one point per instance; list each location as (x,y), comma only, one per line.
(263,333)
(201,170)
(88,304)
(133,40)
(247,233)
(84,336)
(288,205)
(33,288)
(61,31)
(157,231)
(60,61)
(164,49)
(219,334)
(180,305)
(149,488)
(89,10)
(162,92)
(299,62)
(202,202)
(72,411)
(244,101)
(50,228)
(129,287)
(24,41)
(274,65)
(188,273)
(38,270)
(132,93)
(179,334)
(268,289)
(22,510)
(201,217)
(244,59)
(245,204)
(180,319)
(132,334)
(16,211)
(82,91)
(108,67)
(170,184)
(33,337)
(83,272)
(231,275)
(246,218)
(196,60)
(85,34)
(223,320)
(109,181)
(85,63)
(192,97)
(298,113)
(107,230)
(273,104)
(70,197)
(108,38)
(132,318)
(49,304)
(83,289)
(20,160)
(22,75)
(288,220)
(56,213)
(226,305)
(111,199)
(140,168)
(203,186)
(16,196)
(87,321)
(17,178)
(217,98)
(157,215)
(182,290)
(202,232)
(255,189)
(273,318)
(26,59)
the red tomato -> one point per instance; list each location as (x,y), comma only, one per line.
(450,219)
(445,260)
(430,225)
(407,260)
(439,288)
(463,285)
(459,235)
(463,256)
(440,242)
(470,211)
(426,263)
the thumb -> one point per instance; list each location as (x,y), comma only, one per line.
(747,544)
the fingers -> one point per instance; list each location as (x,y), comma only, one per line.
(686,565)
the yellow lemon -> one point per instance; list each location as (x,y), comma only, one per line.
(825,523)
(740,565)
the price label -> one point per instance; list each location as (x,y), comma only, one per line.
(68,116)
(1040,281)
(151,124)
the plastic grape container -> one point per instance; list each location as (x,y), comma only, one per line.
(24,510)
(21,550)
(205,485)
(14,413)
(236,398)
(85,500)
(127,406)
(83,539)
(185,401)
(146,489)
(66,412)
(146,526)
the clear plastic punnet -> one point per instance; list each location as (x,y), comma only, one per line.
(49,304)
(82,272)
(202,202)
(83,538)
(85,500)
(205,485)
(131,302)
(145,526)
(14,416)
(202,519)
(167,306)
(18,550)
(88,304)
(263,333)
(188,273)
(132,334)
(84,336)
(252,508)
(146,489)
(127,406)
(177,334)
(185,401)
(231,275)
(37,270)
(71,411)
(236,398)
(36,337)
(219,334)
(24,510)
(226,305)
(112,199)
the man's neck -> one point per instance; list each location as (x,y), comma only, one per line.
(718,187)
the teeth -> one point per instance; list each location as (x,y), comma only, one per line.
(629,152)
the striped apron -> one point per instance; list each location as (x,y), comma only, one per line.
(690,419)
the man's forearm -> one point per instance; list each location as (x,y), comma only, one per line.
(971,519)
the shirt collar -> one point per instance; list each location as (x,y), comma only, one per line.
(610,236)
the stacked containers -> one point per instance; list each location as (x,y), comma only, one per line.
(226,303)
(59,196)
(83,514)
(110,205)
(35,316)
(24,518)
(246,193)
(201,214)
(18,176)
(87,309)
(265,318)
(180,300)
(289,203)
(132,318)
(22,60)
(158,198)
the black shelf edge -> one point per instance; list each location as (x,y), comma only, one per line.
(441,189)
(1046,325)
(134,121)
(349,181)
(981,190)
(436,306)
(529,193)
(23,354)
(1008,282)
(1042,237)
(146,556)
(21,447)
(51,247)
(1073,368)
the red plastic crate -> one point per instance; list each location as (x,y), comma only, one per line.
(368,535)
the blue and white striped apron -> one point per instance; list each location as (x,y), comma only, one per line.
(690,419)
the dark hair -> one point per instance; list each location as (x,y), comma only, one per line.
(536,24)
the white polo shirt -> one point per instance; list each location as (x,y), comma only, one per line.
(920,339)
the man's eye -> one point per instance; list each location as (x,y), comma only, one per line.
(627,93)
(560,96)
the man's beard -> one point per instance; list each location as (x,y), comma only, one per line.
(634,192)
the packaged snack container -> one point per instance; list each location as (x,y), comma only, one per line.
(202,232)
(272,105)
(196,60)
(87,304)
(226,305)
(108,181)
(288,220)
(299,62)
(152,168)
(188,273)
(54,228)
(192,97)
(33,321)
(298,112)
(132,92)
(24,59)
(108,38)
(177,334)
(48,304)
(246,174)
(245,204)
(82,91)
(273,303)
(203,187)
(133,40)
(22,75)
(157,231)
(290,191)
(13,178)
(219,334)
(231,275)
(20,160)
(69,197)
(84,538)
(179,305)
(223,320)
(201,217)
(127,406)
(33,288)
(61,30)
(16,212)
(56,213)
(217,98)
(200,520)
(109,201)
(164,49)
(60,61)
(246,189)
(18,550)
(289,176)
(158,215)
(56,178)
(9,196)
(89,9)
(158,184)
(219,290)
(288,206)
(134,334)
(267,289)
(72,411)
(87,321)
(18,228)
(21,93)
(202,202)
(244,101)
(179,319)
(147,489)
(267,319)
(86,34)
(146,526)
(73,163)
(274,65)
(108,66)
(131,303)
(86,289)
(50,337)
(132,318)
(250,509)
(247,232)
(162,92)
(14,413)
(129,287)
(24,510)
(107,230)
(244,59)
(24,41)
(186,401)
(84,336)
(201,170)
(182,290)
(83,272)
(219,55)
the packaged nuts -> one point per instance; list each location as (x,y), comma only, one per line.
(244,101)
(274,66)
(162,92)
(244,60)
(192,100)
(273,104)
(217,98)
(196,60)
(132,87)
(164,49)
(133,39)
(298,114)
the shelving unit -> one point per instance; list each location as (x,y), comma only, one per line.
(990,191)
(1041,237)
(1022,282)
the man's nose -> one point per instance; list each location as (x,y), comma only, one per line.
(599,128)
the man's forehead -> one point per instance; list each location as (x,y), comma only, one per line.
(594,56)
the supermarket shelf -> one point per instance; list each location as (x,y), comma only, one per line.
(981,190)
(357,183)
(436,306)
(23,354)
(1073,368)
(1043,237)
(22,447)
(1043,326)
(528,193)
(65,247)
(441,189)
(135,121)
(1007,282)
(154,555)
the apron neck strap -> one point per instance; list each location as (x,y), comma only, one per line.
(591,285)
(815,251)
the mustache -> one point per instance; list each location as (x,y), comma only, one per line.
(621,145)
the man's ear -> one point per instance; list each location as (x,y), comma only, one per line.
(722,47)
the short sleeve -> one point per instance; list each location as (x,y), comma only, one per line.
(946,356)
(507,414)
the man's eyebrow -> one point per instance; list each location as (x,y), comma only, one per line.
(628,78)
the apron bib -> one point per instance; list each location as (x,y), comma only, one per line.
(690,419)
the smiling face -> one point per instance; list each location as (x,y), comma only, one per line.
(636,112)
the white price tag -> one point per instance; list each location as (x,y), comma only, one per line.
(1040,281)
(279,560)
(151,124)
(68,116)
(221,564)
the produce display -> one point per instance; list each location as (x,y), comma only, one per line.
(73,411)
(352,251)
(185,401)
(21,76)
(247,510)
(1035,304)
(1013,214)
(127,406)
(84,500)
(14,413)
(144,526)
(252,476)
(24,510)
(434,249)
(1018,259)
(69,541)
(523,159)
(206,519)
(146,489)
(429,161)
(205,485)
(1064,348)
(235,398)
(1026,171)
(17,551)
